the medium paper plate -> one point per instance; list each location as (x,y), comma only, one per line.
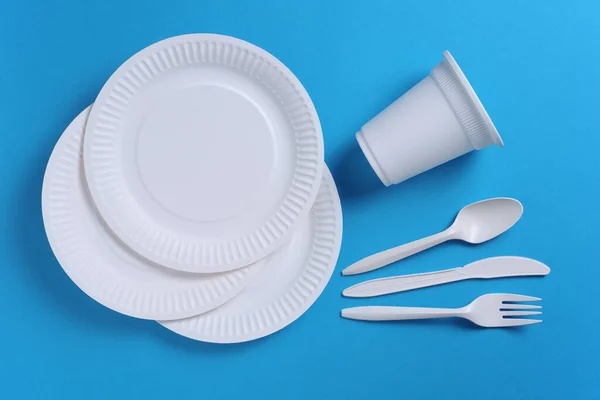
(101,265)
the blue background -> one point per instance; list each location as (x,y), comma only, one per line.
(535,65)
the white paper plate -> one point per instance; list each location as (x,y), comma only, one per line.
(285,286)
(202,152)
(105,268)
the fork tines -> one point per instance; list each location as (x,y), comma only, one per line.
(512,311)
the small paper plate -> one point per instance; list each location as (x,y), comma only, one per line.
(202,152)
(102,266)
(285,286)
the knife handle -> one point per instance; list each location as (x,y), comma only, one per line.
(395,284)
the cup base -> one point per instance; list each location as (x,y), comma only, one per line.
(364,146)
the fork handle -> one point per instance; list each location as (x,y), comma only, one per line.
(385,313)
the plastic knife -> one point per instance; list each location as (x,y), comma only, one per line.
(488,268)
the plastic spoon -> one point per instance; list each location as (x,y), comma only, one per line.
(475,223)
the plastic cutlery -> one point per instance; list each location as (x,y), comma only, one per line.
(475,223)
(489,310)
(494,267)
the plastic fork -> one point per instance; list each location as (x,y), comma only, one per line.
(490,311)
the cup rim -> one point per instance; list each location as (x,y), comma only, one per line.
(474,99)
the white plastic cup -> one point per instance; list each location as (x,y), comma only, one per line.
(437,120)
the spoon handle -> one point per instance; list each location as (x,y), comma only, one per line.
(392,255)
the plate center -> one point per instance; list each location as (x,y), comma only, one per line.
(205,152)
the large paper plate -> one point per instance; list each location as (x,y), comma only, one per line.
(285,286)
(202,152)
(101,265)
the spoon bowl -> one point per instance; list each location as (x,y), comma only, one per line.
(486,219)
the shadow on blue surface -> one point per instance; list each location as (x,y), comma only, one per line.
(355,178)
(190,346)
(448,323)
